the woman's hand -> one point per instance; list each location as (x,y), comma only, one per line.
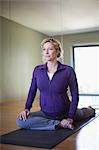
(24,114)
(67,123)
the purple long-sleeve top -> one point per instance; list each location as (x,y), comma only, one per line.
(53,93)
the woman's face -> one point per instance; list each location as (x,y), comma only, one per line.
(49,52)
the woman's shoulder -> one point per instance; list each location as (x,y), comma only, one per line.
(38,67)
(68,69)
(67,66)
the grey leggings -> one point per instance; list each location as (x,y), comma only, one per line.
(39,121)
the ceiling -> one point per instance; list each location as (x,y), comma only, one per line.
(54,17)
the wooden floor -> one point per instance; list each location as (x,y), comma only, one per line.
(86,139)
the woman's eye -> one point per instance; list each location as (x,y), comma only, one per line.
(50,49)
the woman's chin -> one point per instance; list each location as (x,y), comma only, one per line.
(47,59)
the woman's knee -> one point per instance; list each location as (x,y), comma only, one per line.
(21,123)
(84,113)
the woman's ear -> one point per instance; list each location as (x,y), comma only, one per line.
(58,52)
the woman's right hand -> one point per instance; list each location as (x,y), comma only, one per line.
(67,123)
(24,114)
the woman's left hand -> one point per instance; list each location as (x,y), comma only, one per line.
(67,123)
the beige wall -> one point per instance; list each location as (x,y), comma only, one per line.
(20,53)
(77,39)
(0,62)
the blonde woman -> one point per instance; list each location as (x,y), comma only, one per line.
(53,79)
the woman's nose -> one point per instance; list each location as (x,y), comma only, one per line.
(46,51)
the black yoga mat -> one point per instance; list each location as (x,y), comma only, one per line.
(41,139)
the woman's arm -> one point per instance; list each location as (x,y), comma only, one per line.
(74,94)
(32,91)
(31,95)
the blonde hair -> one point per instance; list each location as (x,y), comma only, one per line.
(56,44)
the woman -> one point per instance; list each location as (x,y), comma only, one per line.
(53,79)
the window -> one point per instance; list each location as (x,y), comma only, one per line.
(86,64)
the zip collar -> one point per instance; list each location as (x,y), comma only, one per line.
(60,66)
